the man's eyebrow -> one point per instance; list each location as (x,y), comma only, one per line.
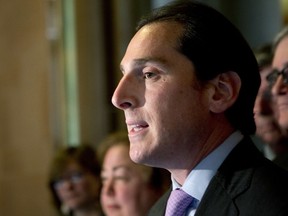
(143,61)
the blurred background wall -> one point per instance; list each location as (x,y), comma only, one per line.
(25,136)
(59,67)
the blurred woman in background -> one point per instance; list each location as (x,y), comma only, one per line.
(128,189)
(75,181)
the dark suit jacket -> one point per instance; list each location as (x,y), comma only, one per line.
(246,184)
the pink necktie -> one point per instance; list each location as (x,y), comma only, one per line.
(178,203)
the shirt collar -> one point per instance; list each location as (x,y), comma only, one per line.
(199,178)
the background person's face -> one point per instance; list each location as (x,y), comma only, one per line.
(125,191)
(264,109)
(78,189)
(280,89)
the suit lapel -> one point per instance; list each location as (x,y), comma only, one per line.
(232,178)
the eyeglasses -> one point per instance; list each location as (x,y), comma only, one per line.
(272,77)
(74,178)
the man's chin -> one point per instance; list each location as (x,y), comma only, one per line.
(136,156)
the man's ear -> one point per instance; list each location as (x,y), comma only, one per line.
(226,90)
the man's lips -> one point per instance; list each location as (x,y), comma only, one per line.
(134,127)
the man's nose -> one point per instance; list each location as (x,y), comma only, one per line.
(279,87)
(124,96)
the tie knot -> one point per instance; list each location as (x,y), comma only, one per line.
(178,203)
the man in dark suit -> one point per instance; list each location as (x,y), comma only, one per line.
(188,90)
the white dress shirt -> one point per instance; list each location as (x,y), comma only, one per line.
(199,178)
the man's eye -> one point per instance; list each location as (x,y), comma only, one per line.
(149,75)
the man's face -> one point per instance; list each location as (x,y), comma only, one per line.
(265,113)
(280,88)
(166,109)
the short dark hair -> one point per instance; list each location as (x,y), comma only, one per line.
(215,46)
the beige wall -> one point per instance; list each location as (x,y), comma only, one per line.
(25,137)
